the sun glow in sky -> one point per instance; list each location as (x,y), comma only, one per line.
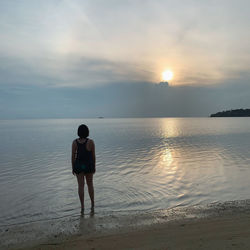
(81,40)
(107,47)
(167,75)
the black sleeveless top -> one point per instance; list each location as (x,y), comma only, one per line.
(84,160)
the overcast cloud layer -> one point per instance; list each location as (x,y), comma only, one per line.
(103,58)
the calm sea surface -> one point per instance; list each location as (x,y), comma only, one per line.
(142,164)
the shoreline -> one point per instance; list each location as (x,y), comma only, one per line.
(227,232)
(213,226)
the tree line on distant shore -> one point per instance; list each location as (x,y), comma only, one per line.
(233,113)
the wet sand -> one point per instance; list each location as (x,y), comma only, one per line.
(221,233)
(214,226)
(224,232)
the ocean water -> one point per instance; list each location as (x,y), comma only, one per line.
(142,164)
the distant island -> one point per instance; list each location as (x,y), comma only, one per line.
(233,113)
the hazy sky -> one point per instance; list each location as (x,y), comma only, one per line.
(73,58)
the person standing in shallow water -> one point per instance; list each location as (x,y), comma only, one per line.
(83,164)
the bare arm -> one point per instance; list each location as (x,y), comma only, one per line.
(73,154)
(93,151)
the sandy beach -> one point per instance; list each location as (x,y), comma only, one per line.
(226,232)
(223,226)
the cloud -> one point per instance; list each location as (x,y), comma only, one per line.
(68,71)
(59,56)
(59,41)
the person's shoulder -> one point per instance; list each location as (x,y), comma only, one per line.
(74,142)
(91,141)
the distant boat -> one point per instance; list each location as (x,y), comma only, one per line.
(100,117)
(233,113)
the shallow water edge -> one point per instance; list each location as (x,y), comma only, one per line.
(142,164)
(57,230)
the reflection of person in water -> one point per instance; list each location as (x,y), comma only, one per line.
(83,163)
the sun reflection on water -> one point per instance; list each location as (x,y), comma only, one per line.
(168,164)
(170,127)
(167,157)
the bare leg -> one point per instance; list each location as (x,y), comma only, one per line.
(80,180)
(89,179)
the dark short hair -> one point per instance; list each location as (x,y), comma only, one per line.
(83,131)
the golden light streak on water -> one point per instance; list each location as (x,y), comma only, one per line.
(167,157)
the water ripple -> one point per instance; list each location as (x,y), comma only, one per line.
(141,164)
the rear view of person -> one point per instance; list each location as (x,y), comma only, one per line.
(83,163)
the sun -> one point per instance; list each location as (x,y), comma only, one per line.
(167,75)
